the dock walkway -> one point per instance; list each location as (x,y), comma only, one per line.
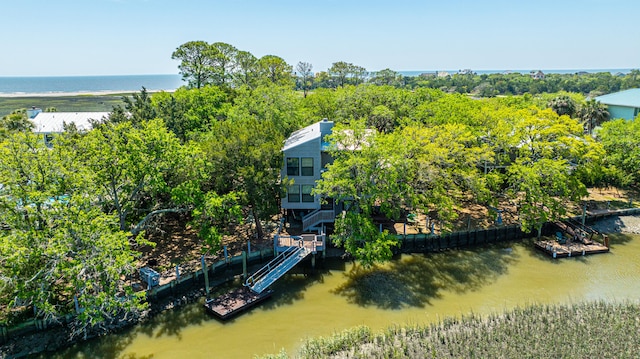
(291,251)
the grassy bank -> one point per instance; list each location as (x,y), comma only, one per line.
(67,103)
(586,330)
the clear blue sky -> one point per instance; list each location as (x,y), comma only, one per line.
(122,37)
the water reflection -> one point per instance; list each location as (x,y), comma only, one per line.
(414,281)
(412,289)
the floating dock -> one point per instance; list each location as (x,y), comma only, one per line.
(570,248)
(573,240)
(234,302)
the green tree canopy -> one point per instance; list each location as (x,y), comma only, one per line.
(197,62)
(142,172)
(593,114)
(274,70)
(57,245)
(621,142)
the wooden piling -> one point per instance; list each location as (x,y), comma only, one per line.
(244,265)
(205,270)
(3,334)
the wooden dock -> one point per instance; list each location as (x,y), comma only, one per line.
(234,302)
(570,248)
(573,240)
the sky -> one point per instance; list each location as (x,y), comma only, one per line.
(131,37)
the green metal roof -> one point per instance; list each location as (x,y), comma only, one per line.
(627,98)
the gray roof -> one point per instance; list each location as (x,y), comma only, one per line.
(627,98)
(307,134)
(52,122)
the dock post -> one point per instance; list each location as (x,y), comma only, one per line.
(584,213)
(275,245)
(226,255)
(244,265)
(313,261)
(3,334)
(177,272)
(205,270)
(249,247)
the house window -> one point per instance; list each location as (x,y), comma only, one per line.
(307,166)
(306,193)
(48,140)
(293,193)
(293,166)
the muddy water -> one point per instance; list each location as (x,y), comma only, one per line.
(413,289)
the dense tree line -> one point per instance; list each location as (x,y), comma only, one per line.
(489,85)
(223,65)
(75,216)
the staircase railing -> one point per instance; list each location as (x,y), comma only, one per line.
(317,216)
(277,267)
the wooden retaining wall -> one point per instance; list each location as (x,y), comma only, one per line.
(422,243)
(219,272)
(225,270)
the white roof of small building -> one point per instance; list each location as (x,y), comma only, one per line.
(53,122)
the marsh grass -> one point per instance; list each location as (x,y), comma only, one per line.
(73,103)
(585,330)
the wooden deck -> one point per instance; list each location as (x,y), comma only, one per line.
(312,242)
(574,239)
(570,248)
(234,302)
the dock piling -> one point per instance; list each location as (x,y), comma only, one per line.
(244,265)
(205,270)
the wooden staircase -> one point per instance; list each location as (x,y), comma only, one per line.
(313,219)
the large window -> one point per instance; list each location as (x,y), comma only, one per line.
(307,166)
(306,193)
(293,193)
(293,166)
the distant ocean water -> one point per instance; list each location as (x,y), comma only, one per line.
(132,83)
(87,84)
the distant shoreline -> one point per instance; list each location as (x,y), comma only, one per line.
(72,94)
(86,85)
